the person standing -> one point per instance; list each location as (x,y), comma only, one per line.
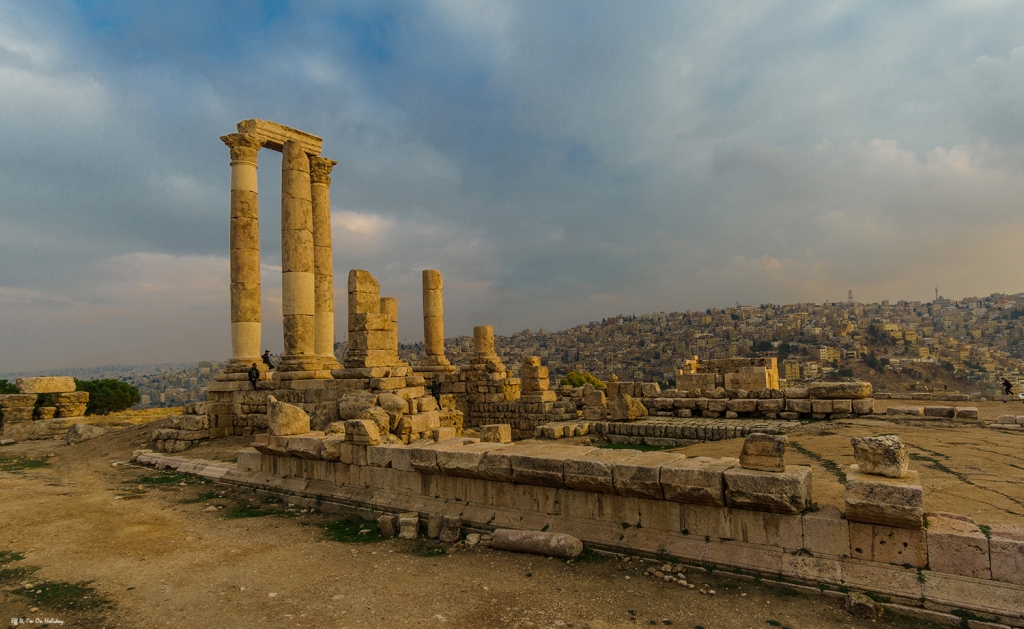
(266,359)
(1007,388)
(254,375)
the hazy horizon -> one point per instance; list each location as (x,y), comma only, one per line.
(556,162)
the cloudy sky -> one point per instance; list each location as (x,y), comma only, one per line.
(559,162)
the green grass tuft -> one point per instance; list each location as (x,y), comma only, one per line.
(350,531)
(63,595)
(16,464)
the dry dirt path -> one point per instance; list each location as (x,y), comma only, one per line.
(122,546)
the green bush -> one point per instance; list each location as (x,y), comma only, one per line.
(577,379)
(7,387)
(108,396)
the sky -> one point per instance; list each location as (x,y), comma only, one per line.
(558,162)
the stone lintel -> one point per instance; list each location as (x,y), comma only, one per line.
(275,135)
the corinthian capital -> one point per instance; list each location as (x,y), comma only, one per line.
(243,146)
(320,169)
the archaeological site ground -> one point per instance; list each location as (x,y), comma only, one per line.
(369,491)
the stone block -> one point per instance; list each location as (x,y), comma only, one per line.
(826,532)
(465,460)
(380,456)
(496,433)
(46,384)
(888,544)
(863,407)
(1006,550)
(882,456)
(544,465)
(496,464)
(594,398)
(351,405)
(841,406)
(764,452)
(821,406)
(882,500)
(305,446)
(640,475)
(957,546)
(704,520)
(424,458)
(625,408)
(17,400)
(409,525)
(741,406)
(905,410)
(285,419)
(363,432)
(330,447)
(82,432)
(593,471)
(778,492)
(839,390)
(595,413)
(967,412)
(796,393)
(798,405)
(771,405)
(767,529)
(718,405)
(696,480)
(945,412)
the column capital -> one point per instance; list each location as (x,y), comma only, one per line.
(320,169)
(244,146)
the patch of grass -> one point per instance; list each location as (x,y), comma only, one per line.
(423,548)
(830,466)
(15,575)
(986,530)
(248,511)
(16,464)
(203,497)
(63,595)
(784,592)
(634,446)
(7,556)
(353,531)
(167,478)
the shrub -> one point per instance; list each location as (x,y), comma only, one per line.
(7,387)
(578,379)
(108,396)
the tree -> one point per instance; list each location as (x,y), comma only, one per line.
(784,350)
(578,379)
(7,387)
(108,396)
(762,346)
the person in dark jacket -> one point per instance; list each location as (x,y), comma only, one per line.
(266,359)
(254,375)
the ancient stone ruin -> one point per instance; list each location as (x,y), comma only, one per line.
(44,407)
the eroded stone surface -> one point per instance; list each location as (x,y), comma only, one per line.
(778,492)
(883,500)
(46,384)
(285,419)
(883,456)
(764,452)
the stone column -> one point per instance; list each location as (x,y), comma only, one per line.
(244,257)
(433,319)
(297,280)
(389,308)
(323,261)
(483,344)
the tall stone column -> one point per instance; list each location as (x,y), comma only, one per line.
(297,280)
(433,319)
(246,324)
(323,261)
(483,344)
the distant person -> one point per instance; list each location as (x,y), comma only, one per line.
(254,375)
(1007,388)
(266,359)
(435,391)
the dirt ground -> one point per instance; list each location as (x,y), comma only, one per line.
(105,545)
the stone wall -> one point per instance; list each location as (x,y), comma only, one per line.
(45,407)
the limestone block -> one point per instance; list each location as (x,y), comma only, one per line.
(330,447)
(718,405)
(797,393)
(305,446)
(904,410)
(451,529)
(640,475)
(82,432)
(704,520)
(71,410)
(967,412)
(826,532)
(625,408)
(821,406)
(74,397)
(839,390)
(742,405)
(883,500)
(543,465)
(424,458)
(798,405)
(363,432)
(378,416)
(767,529)
(1006,419)
(23,430)
(888,544)
(779,492)
(336,428)
(351,405)
(537,543)
(771,405)
(496,464)
(862,606)
(863,407)
(419,422)
(189,422)
(534,372)
(285,419)
(883,456)
(945,412)
(696,480)
(409,525)
(465,460)
(388,525)
(595,413)
(496,433)
(425,404)
(44,412)
(17,414)
(841,406)
(46,384)
(1006,549)
(483,340)
(594,398)
(957,546)
(18,400)
(764,452)
(593,471)
(650,389)
(443,433)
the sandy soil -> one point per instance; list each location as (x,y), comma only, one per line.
(158,553)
